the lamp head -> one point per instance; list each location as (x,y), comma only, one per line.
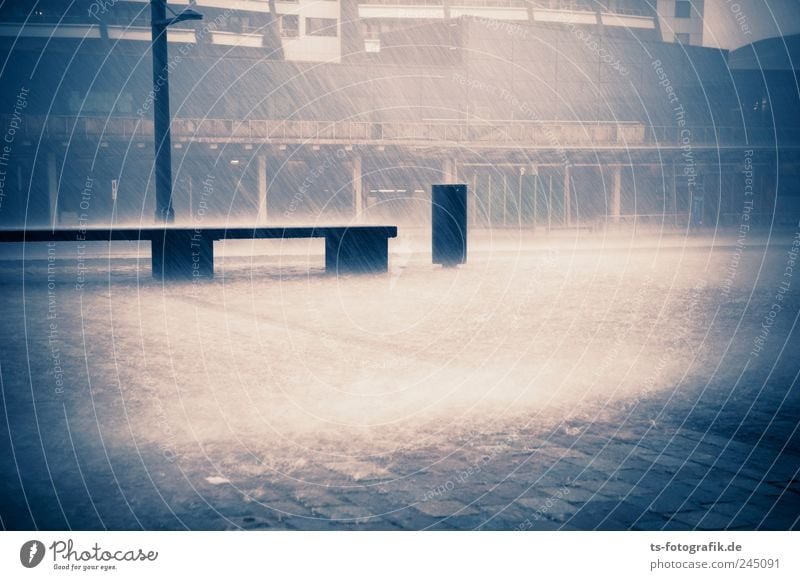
(184,16)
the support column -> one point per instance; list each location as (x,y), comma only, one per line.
(263,188)
(182,255)
(567,196)
(449,171)
(675,193)
(472,200)
(52,187)
(616,194)
(358,188)
(161,118)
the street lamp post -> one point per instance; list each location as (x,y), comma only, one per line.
(163,143)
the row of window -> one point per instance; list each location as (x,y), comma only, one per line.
(683,9)
(290,26)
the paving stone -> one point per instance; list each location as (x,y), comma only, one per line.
(669,504)
(312,496)
(785,471)
(649,522)
(669,461)
(284,508)
(580,494)
(505,514)
(505,493)
(778,520)
(738,511)
(619,488)
(597,463)
(524,525)
(546,507)
(674,525)
(344,512)
(704,520)
(358,470)
(410,519)
(607,515)
(294,523)
(462,522)
(444,507)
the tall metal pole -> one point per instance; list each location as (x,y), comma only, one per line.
(163,142)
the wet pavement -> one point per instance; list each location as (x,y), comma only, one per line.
(549,384)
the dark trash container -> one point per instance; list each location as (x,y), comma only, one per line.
(449,224)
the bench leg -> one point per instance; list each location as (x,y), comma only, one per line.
(356,252)
(183,256)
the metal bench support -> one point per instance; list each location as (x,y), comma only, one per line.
(183,255)
(356,252)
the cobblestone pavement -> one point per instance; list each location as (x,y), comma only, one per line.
(667,416)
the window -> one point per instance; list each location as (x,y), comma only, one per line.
(290,25)
(321,27)
(683,9)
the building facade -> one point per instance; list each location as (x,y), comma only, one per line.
(579,114)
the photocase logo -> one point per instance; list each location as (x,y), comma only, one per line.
(31,553)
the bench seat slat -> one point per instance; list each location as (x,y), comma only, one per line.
(153,233)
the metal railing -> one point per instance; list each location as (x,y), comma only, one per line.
(545,134)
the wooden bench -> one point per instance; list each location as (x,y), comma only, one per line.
(184,253)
